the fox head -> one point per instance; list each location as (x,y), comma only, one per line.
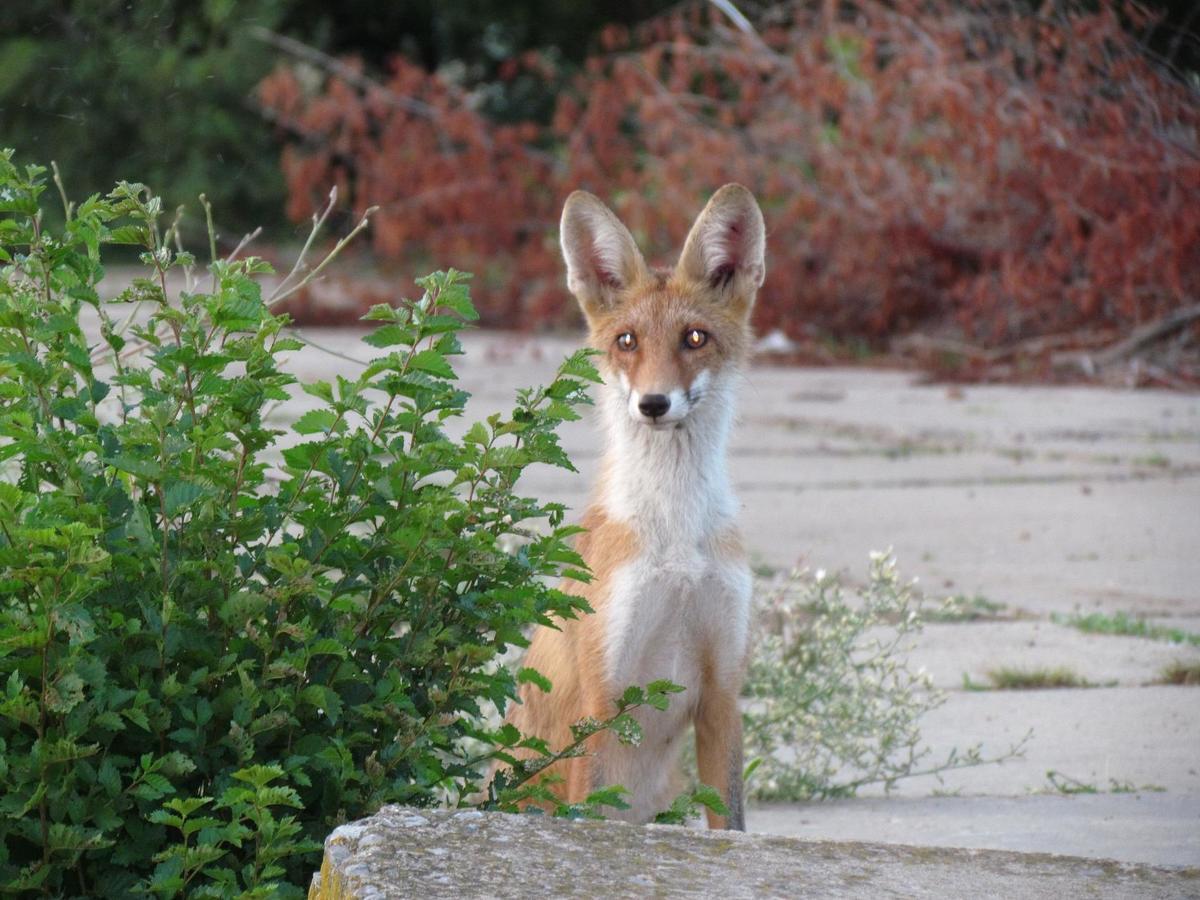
(669,339)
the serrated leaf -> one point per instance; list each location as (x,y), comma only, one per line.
(314,421)
(162,817)
(323,390)
(382,312)
(476,434)
(302,456)
(327,647)
(325,699)
(527,675)
(708,797)
(665,686)
(613,795)
(129,234)
(389,336)
(109,778)
(627,729)
(658,701)
(144,467)
(137,717)
(579,365)
(69,408)
(432,362)
(180,495)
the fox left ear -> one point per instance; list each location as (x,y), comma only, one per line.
(726,248)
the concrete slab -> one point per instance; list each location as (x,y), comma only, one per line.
(417,853)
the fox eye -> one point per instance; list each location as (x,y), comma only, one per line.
(626,341)
(694,338)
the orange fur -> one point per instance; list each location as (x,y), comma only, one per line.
(571,657)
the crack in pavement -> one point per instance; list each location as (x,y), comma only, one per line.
(1175,473)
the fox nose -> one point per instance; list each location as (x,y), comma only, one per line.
(654,405)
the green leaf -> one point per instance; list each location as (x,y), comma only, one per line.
(388,336)
(129,234)
(180,495)
(579,365)
(259,776)
(633,696)
(315,420)
(143,467)
(327,647)
(626,729)
(708,797)
(613,796)
(109,778)
(320,389)
(526,675)
(477,434)
(70,408)
(382,312)
(304,455)
(664,686)
(432,362)
(324,699)
(137,717)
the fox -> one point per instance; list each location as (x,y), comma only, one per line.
(671,582)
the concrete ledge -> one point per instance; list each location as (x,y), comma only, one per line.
(402,852)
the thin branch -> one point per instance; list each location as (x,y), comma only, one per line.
(246,239)
(1147,334)
(68,207)
(299,335)
(318,220)
(279,295)
(212,239)
(283,290)
(735,16)
(336,67)
(189,270)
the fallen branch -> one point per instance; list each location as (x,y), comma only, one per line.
(1053,344)
(923,344)
(1147,334)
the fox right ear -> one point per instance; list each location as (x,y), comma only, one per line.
(602,258)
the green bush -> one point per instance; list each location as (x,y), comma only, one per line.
(218,639)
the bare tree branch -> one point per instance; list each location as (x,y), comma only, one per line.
(1147,334)
(347,73)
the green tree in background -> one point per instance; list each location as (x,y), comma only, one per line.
(157,90)
(162,89)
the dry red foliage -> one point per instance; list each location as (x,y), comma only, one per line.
(918,162)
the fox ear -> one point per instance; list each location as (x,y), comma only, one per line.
(602,259)
(726,248)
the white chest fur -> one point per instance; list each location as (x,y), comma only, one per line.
(669,615)
(681,604)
